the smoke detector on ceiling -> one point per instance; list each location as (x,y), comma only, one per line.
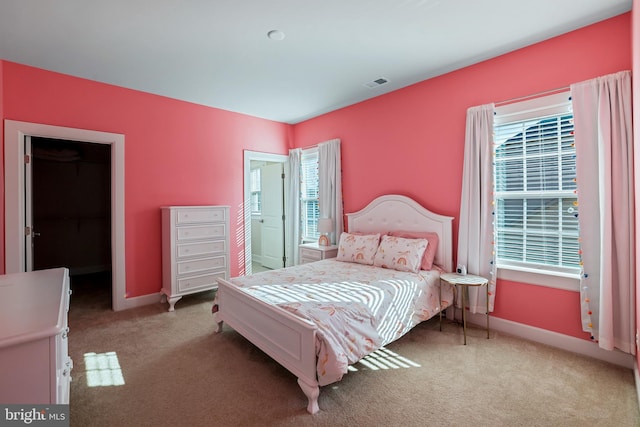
(377,82)
(276,35)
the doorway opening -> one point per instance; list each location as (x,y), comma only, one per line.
(16,134)
(68,211)
(264,231)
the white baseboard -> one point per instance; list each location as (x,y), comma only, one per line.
(554,339)
(141,300)
(256,258)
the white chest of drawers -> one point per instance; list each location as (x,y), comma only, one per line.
(35,367)
(195,249)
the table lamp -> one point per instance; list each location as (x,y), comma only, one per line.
(325,226)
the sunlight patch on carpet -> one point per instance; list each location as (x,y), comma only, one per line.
(103,369)
(384,359)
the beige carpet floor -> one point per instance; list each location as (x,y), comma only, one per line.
(178,372)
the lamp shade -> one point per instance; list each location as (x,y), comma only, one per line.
(325,225)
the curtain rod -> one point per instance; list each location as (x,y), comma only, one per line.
(535,95)
(319,144)
(310,147)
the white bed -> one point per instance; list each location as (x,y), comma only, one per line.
(292,340)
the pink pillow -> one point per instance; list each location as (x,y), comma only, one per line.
(400,254)
(432,247)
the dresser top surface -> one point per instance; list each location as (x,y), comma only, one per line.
(33,305)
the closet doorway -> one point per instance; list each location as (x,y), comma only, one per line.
(17,151)
(68,211)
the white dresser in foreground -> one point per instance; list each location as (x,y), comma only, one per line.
(195,249)
(35,367)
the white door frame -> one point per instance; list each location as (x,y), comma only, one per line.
(250,156)
(14,184)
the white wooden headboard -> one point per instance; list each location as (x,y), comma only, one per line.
(400,213)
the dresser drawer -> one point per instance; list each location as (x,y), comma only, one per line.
(203,264)
(64,365)
(197,232)
(310,254)
(203,281)
(190,216)
(188,250)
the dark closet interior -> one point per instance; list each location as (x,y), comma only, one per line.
(71,202)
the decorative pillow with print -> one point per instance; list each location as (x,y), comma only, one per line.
(358,248)
(432,247)
(400,254)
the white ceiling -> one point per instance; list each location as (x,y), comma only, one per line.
(217,53)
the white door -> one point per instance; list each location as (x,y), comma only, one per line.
(272,215)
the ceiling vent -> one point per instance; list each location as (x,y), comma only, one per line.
(377,82)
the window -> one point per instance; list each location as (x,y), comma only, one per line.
(256,192)
(536,205)
(309,208)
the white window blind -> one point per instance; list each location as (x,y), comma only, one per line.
(536,205)
(309,207)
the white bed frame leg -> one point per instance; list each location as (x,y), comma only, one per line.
(312,392)
(218,323)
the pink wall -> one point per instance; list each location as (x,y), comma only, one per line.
(411,141)
(175,152)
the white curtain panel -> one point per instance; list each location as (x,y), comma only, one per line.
(604,171)
(475,232)
(292,209)
(330,185)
